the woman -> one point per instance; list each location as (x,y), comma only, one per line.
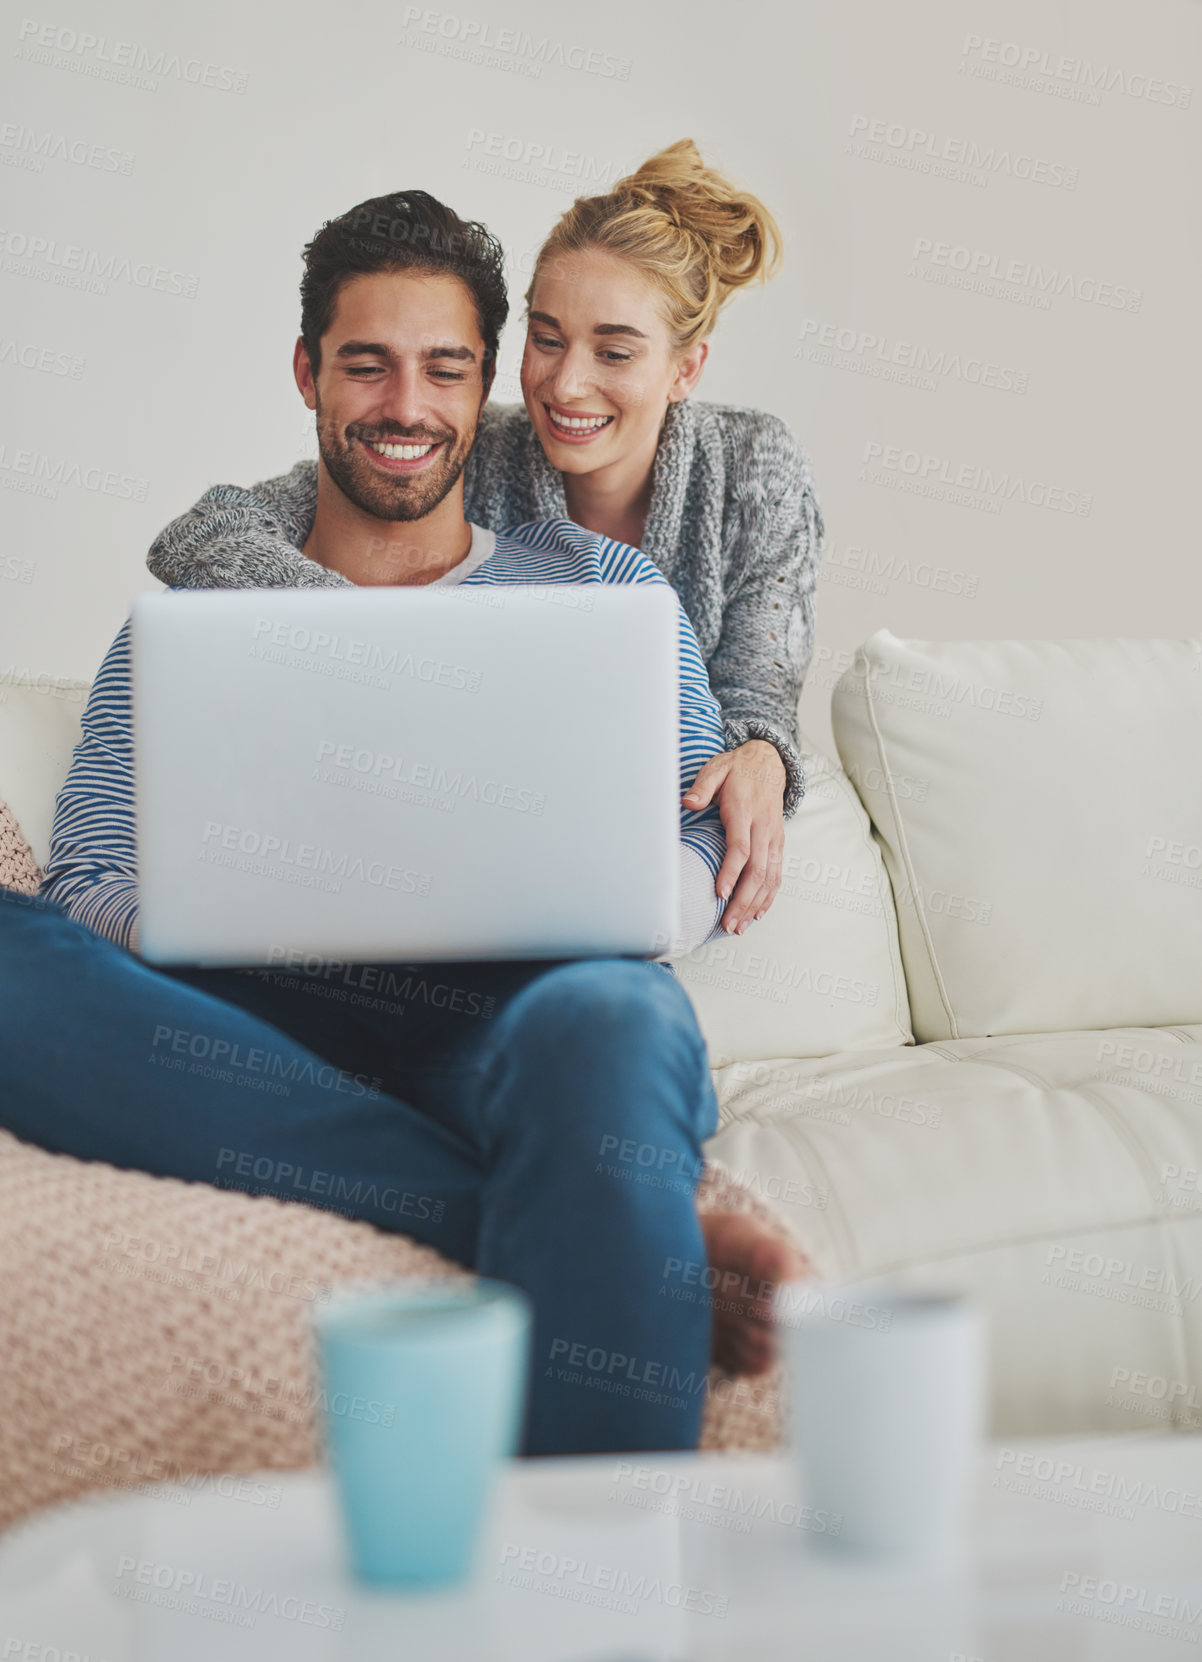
(626,291)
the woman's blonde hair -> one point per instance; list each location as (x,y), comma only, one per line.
(686,226)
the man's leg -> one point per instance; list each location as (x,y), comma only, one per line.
(593,1111)
(104,1058)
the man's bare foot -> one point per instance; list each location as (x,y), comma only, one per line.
(748,1261)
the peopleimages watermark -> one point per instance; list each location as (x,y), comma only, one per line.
(905,362)
(1172,860)
(1178,1402)
(300,647)
(782,1191)
(729,965)
(1102,1275)
(827,883)
(179,1264)
(28,680)
(903,787)
(231,1057)
(797,1301)
(14,570)
(1024,282)
(852,566)
(217,1598)
(1069,1483)
(1125,1604)
(73,265)
(705,1499)
(322,1185)
(607,1586)
(615,1372)
(29,148)
(944,903)
(474,40)
(541,162)
(113,1466)
(696,1281)
(1156,1073)
(656,1165)
(36,1650)
(966,484)
(267,854)
(789,1075)
(46,360)
(270,1395)
(868,1099)
(1181,1186)
(374,985)
(893,683)
(37,474)
(365,767)
(963,161)
(126,62)
(1063,75)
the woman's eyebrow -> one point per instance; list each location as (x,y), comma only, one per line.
(601,328)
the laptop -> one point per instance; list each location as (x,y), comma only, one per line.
(406,774)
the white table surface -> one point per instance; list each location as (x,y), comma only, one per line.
(260,1567)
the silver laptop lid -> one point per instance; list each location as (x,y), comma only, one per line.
(403,774)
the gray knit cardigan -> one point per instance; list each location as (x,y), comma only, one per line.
(734,526)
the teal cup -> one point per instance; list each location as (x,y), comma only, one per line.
(423,1390)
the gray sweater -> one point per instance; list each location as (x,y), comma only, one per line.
(734,526)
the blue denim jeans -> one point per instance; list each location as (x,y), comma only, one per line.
(540,1122)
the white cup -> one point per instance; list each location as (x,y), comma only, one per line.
(886,1413)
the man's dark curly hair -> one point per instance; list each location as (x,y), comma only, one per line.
(406,231)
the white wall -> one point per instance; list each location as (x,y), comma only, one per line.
(315,108)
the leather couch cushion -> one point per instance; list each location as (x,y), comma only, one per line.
(1045,848)
(821,971)
(1055,1177)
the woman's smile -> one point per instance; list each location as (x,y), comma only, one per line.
(575,426)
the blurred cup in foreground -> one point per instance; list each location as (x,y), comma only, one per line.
(886,1414)
(424,1385)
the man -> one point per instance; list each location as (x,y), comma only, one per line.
(516,1117)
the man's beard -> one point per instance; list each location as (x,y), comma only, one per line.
(401,496)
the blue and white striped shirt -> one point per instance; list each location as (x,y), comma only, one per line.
(92,871)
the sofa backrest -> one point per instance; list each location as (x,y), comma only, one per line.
(39,728)
(821,972)
(1039,808)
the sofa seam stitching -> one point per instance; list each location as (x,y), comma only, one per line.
(1001,1243)
(901,992)
(1177,1324)
(904,851)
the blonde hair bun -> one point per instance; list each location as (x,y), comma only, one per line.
(741,236)
(688,228)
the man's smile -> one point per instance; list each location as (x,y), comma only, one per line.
(401,455)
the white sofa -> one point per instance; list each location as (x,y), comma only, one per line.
(965,1046)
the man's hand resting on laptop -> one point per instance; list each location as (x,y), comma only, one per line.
(748,785)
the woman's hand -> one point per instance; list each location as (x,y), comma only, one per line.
(748,785)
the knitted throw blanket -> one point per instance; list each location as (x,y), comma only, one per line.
(18,868)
